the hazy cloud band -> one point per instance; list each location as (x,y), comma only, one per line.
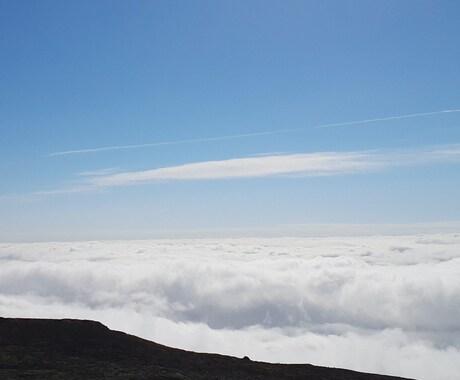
(309,164)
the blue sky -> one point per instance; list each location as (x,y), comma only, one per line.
(81,75)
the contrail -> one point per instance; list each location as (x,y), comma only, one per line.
(254,134)
(175,142)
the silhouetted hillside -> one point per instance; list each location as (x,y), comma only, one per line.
(77,349)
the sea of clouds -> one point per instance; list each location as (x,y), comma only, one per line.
(385,304)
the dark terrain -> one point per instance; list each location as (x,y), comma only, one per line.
(76,349)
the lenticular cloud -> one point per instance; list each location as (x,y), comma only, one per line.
(378,304)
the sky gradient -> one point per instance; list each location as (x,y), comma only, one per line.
(141,119)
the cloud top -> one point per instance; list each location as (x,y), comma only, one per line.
(379,304)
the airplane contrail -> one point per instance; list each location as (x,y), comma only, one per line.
(254,134)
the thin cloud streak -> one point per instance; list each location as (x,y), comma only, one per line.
(94,173)
(387,118)
(177,142)
(252,167)
(310,164)
(275,165)
(74,190)
(244,135)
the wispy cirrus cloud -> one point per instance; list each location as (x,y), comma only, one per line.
(249,167)
(99,172)
(307,164)
(260,166)
(71,190)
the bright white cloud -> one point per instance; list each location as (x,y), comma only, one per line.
(258,166)
(310,164)
(378,304)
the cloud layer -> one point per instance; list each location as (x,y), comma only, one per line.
(379,304)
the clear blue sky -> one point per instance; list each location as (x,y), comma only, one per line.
(82,75)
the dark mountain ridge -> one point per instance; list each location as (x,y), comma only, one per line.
(80,349)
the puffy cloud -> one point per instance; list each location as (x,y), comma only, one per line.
(378,304)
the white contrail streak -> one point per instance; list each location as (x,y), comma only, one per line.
(175,142)
(228,137)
